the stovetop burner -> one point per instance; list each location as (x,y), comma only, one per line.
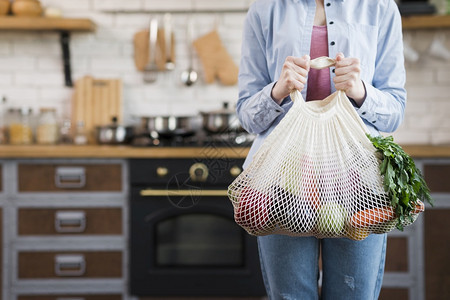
(200,139)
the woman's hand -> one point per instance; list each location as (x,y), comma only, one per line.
(293,77)
(348,79)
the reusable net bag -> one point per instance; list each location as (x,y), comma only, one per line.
(316,174)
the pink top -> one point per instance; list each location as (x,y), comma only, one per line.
(319,85)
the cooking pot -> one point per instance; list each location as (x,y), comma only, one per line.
(224,120)
(171,126)
(114,133)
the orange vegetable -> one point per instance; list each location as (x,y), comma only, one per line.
(372,216)
(420,207)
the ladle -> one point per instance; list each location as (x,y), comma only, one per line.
(189,77)
(151,69)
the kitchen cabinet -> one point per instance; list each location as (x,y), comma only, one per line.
(75,224)
(75,221)
(437,235)
(66,264)
(68,240)
(1,251)
(396,262)
(1,229)
(417,265)
(1,179)
(73,178)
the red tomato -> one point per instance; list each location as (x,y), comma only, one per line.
(252,212)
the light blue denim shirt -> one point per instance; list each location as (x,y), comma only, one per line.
(370,30)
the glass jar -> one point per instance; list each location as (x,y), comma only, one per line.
(65,132)
(3,124)
(20,130)
(80,137)
(47,127)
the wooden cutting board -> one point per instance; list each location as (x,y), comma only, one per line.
(95,102)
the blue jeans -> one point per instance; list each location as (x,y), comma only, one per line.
(351,270)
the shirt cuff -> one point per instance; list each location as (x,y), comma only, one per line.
(269,105)
(367,110)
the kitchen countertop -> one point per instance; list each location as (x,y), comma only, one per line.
(103,151)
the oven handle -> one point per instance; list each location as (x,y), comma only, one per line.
(193,192)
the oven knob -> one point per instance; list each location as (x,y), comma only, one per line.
(198,172)
(235,171)
(162,171)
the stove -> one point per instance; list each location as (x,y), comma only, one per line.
(184,241)
(198,139)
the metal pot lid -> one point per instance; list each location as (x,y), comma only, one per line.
(113,125)
(225,110)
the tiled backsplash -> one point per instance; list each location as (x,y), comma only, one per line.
(31,68)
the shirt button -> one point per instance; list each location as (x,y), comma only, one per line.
(328,4)
(332,70)
(363,113)
(277,110)
(373,122)
(331,23)
(332,43)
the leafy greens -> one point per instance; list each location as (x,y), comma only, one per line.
(403,182)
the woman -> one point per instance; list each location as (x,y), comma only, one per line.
(279,39)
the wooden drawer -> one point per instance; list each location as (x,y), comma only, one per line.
(436,176)
(397,255)
(1,252)
(69,178)
(394,294)
(76,221)
(71,297)
(437,249)
(80,264)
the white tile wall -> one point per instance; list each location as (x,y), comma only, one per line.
(427,112)
(31,68)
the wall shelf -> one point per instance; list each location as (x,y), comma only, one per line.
(63,25)
(426,22)
(45,24)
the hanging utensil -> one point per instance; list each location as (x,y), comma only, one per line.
(189,77)
(170,65)
(151,69)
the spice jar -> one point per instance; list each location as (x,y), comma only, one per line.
(20,131)
(47,127)
(65,136)
(80,137)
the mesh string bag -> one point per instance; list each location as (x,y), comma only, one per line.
(316,174)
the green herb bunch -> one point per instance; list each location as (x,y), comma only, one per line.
(403,182)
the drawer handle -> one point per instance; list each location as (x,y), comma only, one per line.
(70,298)
(181,193)
(70,265)
(70,177)
(70,221)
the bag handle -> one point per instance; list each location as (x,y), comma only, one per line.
(318,63)
(322,62)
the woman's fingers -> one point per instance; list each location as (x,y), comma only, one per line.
(293,77)
(348,77)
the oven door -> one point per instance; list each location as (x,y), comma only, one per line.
(186,243)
